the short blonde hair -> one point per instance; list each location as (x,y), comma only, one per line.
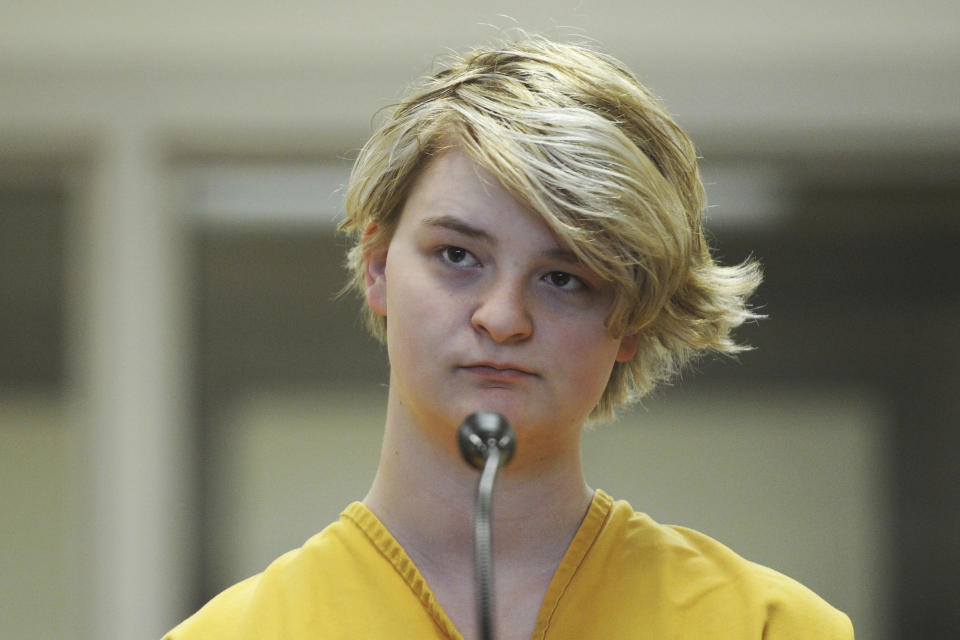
(572,134)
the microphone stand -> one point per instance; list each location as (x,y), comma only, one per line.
(487,443)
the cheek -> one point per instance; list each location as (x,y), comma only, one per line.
(591,356)
(417,315)
(410,298)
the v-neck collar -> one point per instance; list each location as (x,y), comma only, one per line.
(572,560)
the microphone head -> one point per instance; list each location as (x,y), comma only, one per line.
(482,430)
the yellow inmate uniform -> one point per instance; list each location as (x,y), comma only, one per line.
(623,576)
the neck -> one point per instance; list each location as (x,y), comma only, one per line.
(424,494)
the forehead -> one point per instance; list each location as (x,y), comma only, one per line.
(455,193)
(454,179)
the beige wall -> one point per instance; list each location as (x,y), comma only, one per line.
(43,502)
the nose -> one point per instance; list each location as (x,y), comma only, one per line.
(502,312)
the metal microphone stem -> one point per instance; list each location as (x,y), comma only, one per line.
(487,443)
(483,541)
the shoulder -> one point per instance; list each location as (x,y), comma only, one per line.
(218,618)
(262,603)
(700,577)
(794,611)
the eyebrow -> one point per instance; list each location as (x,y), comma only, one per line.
(459,226)
(456,224)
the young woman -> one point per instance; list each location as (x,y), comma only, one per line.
(528,241)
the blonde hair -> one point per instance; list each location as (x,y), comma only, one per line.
(572,134)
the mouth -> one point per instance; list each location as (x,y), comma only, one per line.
(498,370)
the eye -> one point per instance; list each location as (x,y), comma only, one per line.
(564,280)
(457,256)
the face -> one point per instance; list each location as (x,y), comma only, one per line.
(486,309)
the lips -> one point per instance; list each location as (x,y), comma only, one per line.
(498,370)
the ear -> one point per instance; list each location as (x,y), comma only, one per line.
(628,347)
(375,275)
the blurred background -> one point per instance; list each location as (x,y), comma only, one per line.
(183,398)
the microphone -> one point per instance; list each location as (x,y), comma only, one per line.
(480,433)
(486,443)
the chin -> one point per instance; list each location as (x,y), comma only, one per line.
(505,402)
